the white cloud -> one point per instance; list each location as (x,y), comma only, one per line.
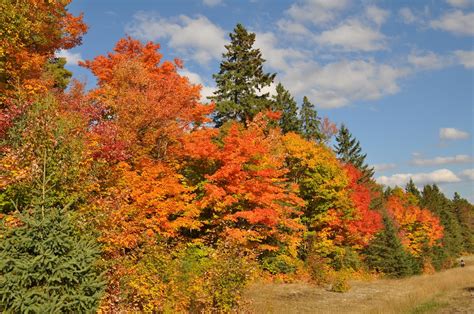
(428,60)
(383,167)
(293,28)
(407,15)
(452,134)
(466,58)
(197,38)
(458,159)
(337,84)
(377,15)
(211,3)
(468,174)
(276,58)
(437,176)
(72,58)
(460,3)
(196,79)
(317,11)
(353,36)
(455,22)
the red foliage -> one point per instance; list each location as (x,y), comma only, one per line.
(417,226)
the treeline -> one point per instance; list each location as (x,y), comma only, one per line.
(134,196)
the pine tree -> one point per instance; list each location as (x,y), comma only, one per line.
(311,124)
(464,212)
(413,190)
(240,80)
(349,151)
(452,242)
(46,266)
(386,253)
(285,103)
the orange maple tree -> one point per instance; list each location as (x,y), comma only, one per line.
(358,225)
(417,226)
(245,195)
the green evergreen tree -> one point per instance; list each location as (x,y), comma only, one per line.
(240,80)
(349,151)
(55,70)
(452,241)
(284,102)
(46,266)
(464,212)
(310,122)
(386,254)
(412,189)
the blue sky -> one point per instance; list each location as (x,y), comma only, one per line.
(399,73)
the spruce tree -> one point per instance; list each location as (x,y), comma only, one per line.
(464,212)
(452,241)
(240,80)
(386,253)
(349,151)
(46,266)
(311,124)
(284,102)
(413,190)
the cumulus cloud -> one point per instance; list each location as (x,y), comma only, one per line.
(353,35)
(293,28)
(72,58)
(337,84)
(460,3)
(383,167)
(276,57)
(317,11)
(427,60)
(468,174)
(407,15)
(196,79)
(437,176)
(465,57)
(376,14)
(458,159)
(456,22)
(202,46)
(452,134)
(211,3)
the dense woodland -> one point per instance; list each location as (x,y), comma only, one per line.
(135,196)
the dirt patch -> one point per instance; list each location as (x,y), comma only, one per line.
(450,291)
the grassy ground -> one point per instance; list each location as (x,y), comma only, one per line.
(450,291)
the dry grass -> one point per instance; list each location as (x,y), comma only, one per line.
(440,292)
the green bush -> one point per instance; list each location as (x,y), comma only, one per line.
(279,264)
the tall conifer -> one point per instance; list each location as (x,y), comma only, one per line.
(349,151)
(284,102)
(311,124)
(240,80)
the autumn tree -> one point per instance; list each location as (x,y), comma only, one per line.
(284,102)
(146,107)
(240,80)
(245,195)
(28,41)
(418,227)
(348,150)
